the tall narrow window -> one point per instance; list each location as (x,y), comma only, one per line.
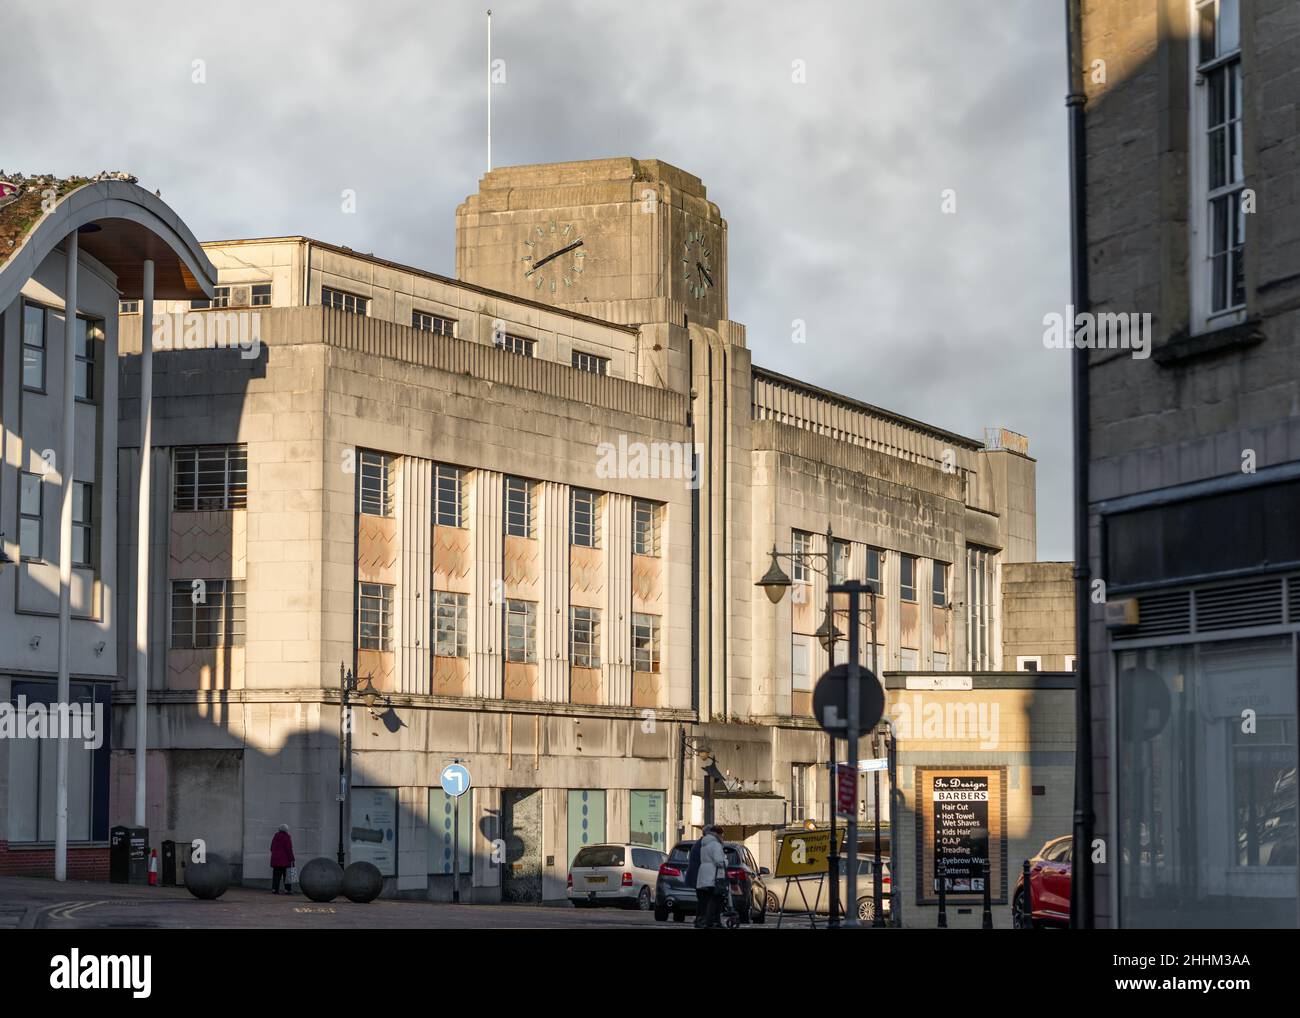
(450,624)
(939,585)
(980,576)
(1218,172)
(374,616)
(876,569)
(799,782)
(375,493)
(645,642)
(83,523)
(33,347)
(907,577)
(89,336)
(801,680)
(210,477)
(841,561)
(521,631)
(519,507)
(584,637)
(800,568)
(584,518)
(449,491)
(31,522)
(645,527)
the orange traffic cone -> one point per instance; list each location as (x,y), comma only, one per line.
(153,868)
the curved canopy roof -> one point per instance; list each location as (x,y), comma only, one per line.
(121,224)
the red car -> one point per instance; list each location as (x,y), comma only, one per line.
(1049,886)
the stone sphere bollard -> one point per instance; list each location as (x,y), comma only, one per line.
(362,882)
(321,879)
(208,880)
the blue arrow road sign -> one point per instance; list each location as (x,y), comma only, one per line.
(455,780)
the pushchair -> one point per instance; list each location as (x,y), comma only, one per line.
(729,915)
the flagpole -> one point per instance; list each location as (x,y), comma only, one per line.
(489,88)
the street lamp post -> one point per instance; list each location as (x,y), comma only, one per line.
(775,583)
(709,764)
(370,696)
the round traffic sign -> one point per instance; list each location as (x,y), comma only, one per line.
(455,780)
(831,700)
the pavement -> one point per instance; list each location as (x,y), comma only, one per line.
(35,903)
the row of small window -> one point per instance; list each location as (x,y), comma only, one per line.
(442,326)
(39,323)
(842,569)
(450,505)
(450,620)
(256,295)
(31,520)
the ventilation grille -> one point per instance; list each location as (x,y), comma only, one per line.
(1293,599)
(1255,603)
(1164,614)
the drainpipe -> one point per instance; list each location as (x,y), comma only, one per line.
(1081,886)
(66,474)
(144,506)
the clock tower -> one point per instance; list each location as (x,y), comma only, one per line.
(637,242)
(626,240)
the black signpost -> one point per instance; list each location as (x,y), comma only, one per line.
(847,701)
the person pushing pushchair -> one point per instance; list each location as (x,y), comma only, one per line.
(709,861)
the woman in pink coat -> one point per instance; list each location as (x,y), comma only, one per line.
(281,860)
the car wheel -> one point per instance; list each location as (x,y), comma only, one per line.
(761,915)
(661,913)
(679,916)
(1019,913)
(771,903)
(643,900)
(866,910)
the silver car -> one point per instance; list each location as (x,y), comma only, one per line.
(614,875)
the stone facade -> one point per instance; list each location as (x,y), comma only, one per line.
(626,389)
(1214,413)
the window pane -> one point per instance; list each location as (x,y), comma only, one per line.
(518,508)
(375,480)
(30,499)
(1207,812)
(585,529)
(29,538)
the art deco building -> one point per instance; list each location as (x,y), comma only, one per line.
(528,507)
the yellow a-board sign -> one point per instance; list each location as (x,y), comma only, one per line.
(803,852)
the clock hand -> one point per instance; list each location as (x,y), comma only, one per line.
(705,273)
(556,254)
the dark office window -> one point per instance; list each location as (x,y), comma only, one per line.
(1175,541)
(210,477)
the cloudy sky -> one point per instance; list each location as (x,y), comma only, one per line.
(832,189)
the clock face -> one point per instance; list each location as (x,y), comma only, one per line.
(697,265)
(553,257)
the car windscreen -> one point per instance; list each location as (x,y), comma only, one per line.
(682,852)
(600,855)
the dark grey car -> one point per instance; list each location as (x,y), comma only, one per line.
(745,877)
